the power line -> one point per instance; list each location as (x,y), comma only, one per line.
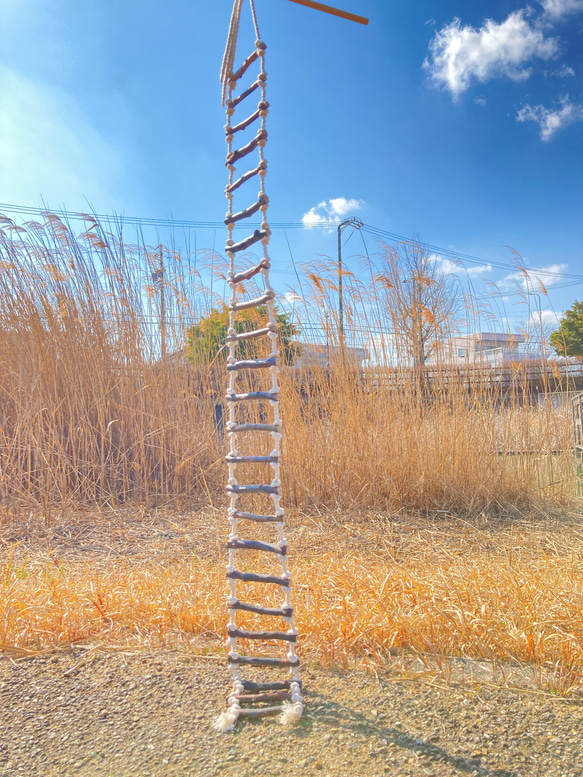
(460,255)
(120,219)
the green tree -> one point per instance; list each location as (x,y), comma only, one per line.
(567,340)
(207,340)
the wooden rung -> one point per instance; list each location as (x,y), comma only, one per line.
(249,335)
(244,67)
(252,303)
(252,459)
(260,712)
(272,396)
(257,698)
(252,364)
(243,214)
(242,245)
(255,428)
(266,547)
(245,275)
(281,685)
(264,661)
(243,124)
(246,177)
(233,103)
(266,635)
(333,11)
(252,577)
(283,612)
(254,489)
(247,212)
(239,153)
(259,518)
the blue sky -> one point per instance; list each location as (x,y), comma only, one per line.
(458,122)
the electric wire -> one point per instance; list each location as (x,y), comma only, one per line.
(459,256)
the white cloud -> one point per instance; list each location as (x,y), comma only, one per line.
(446,266)
(564,72)
(533,278)
(342,207)
(461,55)
(552,120)
(449,267)
(480,101)
(559,8)
(331,211)
(545,318)
(480,270)
(49,149)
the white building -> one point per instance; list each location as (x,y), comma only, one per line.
(322,355)
(495,348)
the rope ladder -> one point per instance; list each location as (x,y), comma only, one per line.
(249,441)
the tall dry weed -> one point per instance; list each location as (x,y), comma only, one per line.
(89,412)
(98,403)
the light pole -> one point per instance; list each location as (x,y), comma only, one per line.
(357,224)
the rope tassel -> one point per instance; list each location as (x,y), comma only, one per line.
(226,721)
(261,399)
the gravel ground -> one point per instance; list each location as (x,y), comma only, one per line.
(115,713)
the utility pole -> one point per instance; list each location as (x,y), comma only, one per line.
(158,280)
(418,345)
(357,224)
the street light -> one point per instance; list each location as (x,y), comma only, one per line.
(357,224)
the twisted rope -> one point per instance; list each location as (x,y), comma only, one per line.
(231,47)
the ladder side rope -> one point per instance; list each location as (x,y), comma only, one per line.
(245,691)
(231,47)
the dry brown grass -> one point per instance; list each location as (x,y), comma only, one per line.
(84,410)
(90,414)
(383,591)
(351,447)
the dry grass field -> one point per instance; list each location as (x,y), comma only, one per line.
(417,534)
(418,595)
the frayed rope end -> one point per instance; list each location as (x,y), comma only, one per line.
(291,713)
(225,722)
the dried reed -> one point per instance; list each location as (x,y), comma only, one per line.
(364,591)
(100,406)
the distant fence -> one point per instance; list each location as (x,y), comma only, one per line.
(533,378)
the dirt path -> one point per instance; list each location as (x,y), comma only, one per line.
(149,714)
